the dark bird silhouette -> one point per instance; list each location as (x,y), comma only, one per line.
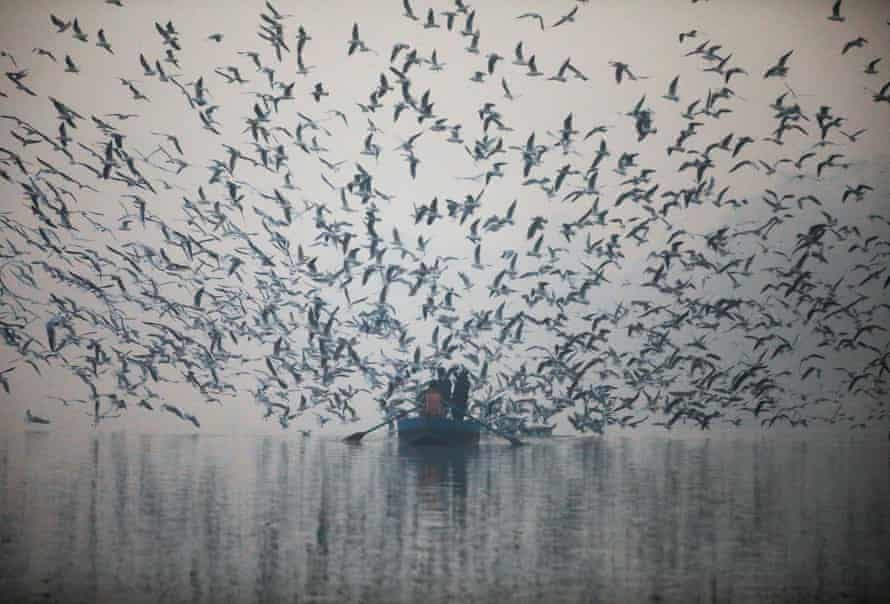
(35,419)
(567,18)
(836,12)
(780,69)
(870,68)
(409,12)
(855,43)
(536,16)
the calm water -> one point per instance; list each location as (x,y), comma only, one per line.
(139,518)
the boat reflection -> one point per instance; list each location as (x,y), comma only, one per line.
(437,467)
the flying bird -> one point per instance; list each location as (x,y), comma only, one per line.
(567,18)
(34,419)
(70,67)
(672,90)
(780,69)
(535,16)
(856,43)
(409,12)
(836,12)
(103,42)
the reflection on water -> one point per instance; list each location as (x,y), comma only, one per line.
(134,518)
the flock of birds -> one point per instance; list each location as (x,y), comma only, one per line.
(608,308)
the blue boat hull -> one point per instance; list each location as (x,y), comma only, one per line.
(439,431)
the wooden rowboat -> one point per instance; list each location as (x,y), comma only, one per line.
(439,431)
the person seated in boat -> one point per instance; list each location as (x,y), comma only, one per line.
(444,383)
(460,394)
(433,400)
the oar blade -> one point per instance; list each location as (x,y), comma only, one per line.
(355,437)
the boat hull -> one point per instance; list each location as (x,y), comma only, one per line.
(437,431)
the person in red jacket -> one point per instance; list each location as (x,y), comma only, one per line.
(433,405)
(435,395)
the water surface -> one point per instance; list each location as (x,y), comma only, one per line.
(147,518)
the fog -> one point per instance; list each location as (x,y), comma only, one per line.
(196,295)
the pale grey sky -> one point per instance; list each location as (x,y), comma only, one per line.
(644,35)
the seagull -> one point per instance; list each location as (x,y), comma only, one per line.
(567,66)
(836,12)
(779,69)
(46,53)
(430,20)
(870,68)
(519,59)
(60,25)
(319,92)
(3,381)
(537,16)
(147,69)
(409,12)
(857,43)
(103,42)
(355,42)
(78,33)
(855,135)
(882,95)
(570,17)
(621,69)
(533,68)
(34,419)
(508,94)
(435,65)
(672,91)
(70,67)
(174,410)
(493,58)
(191,418)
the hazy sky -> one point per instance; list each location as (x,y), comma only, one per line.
(643,35)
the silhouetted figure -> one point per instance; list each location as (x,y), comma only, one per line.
(461,394)
(443,383)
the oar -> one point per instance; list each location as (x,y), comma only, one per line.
(513,440)
(357,436)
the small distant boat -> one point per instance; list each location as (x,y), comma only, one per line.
(437,431)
